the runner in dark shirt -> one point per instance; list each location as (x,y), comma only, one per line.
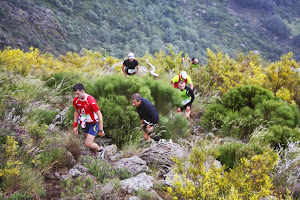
(130,65)
(148,115)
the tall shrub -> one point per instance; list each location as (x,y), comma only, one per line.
(197,177)
(241,110)
(113,94)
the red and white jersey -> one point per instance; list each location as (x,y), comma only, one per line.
(88,108)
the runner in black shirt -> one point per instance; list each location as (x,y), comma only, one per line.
(148,115)
(130,65)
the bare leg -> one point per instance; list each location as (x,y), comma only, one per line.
(91,150)
(147,137)
(148,130)
(188,112)
(179,111)
(89,142)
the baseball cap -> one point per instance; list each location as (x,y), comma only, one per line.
(183,75)
(131,55)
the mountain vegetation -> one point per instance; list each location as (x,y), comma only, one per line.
(247,107)
(270,27)
(241,142)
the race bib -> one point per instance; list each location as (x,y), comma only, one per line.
(186,101)
(86,118)
(131,71)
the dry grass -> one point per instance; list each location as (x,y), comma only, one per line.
(72,144)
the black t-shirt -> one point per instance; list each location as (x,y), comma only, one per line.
(130,65)
(147,111)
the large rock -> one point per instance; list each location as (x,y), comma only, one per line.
(102,141)
(69,159)
(199,130)
(117,156)
(154,195)
(107,190)
(110,151)
(133,198)
(140,182)
(134,164)
(161,154)
(74,173)
(81,168)
(59,119)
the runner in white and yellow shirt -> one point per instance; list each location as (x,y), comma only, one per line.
(184,77)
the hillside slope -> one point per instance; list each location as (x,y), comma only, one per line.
(120,26)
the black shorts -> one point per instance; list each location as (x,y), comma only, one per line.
(126,70)
(182,108)
(152,130)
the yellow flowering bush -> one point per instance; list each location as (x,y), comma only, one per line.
(197,177)
(223,73)
(12,167)
(283,78)
(35,62)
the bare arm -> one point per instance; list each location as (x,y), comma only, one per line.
(76,115)
(137,69)
(100,119)
(123,69)
(191,85)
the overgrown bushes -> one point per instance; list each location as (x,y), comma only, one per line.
(276,25)
(223,73)
(197,177)
(120,118)
(241,110)
(230,154)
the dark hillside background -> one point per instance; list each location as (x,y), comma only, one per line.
(271,27)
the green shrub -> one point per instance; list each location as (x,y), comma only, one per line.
(243,109)
(145,195)
(252,149)
(296,41)
(81,187)
(174,127)
(28,89)
(276,25)
(227,153)
(279,135)
(37,130)
(132,148)
(120,118)
(279,113)
(62,82)
(268,5)
(52,156)
(68,121)
(32,181)
(42,116)
(20,196)
(214,115)
(163,94)
(104,171)
(245,96)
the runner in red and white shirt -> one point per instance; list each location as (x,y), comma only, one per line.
(87,110)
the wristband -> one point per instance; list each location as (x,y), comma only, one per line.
(75,124)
